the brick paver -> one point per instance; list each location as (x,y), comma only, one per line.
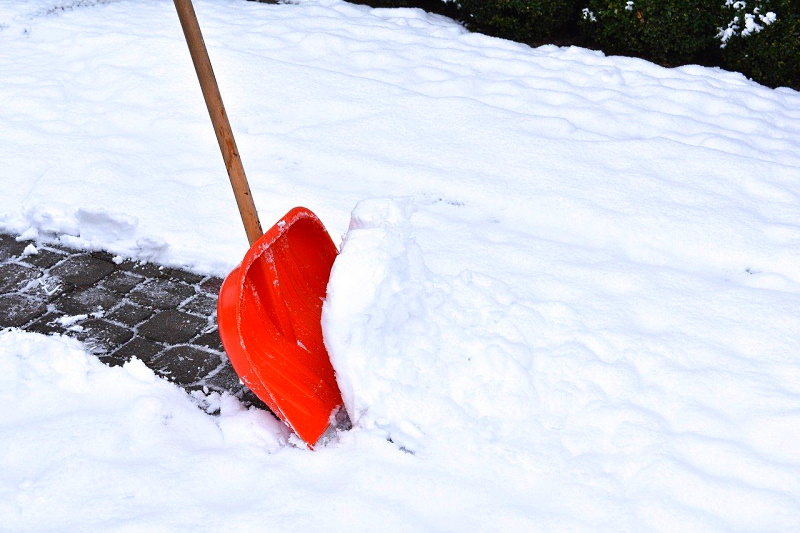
(166,317)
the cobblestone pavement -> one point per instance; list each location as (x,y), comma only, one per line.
(166,317)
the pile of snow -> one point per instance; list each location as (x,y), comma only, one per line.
(568,296)
(419,355)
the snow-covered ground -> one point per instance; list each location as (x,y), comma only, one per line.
(568,296)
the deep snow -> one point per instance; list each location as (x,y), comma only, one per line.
(567,297)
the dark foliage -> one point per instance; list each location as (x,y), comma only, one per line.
(528,21)
(669,32)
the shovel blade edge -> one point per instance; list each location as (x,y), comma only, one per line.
(269,315)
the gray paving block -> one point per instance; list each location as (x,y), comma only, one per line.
(14,277)
(105,256)
(64,249)
(83,270)
(87,300)
(141,348)
(186,364)
(17,310)
(172,327)
(211,285)
(101,335)
(111,359)
(121,282)
(224,380)
(148,270)
(48,324)
(210,340)
(10,247)
(45,258)
(248,398)
(48,288)
(130,314)
(203,304)
(183,275)
(161,293)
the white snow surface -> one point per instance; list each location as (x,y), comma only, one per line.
(568,294)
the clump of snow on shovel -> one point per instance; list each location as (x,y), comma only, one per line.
(420,357)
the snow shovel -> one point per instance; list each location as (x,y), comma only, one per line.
(270,306)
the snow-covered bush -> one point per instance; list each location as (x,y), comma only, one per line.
(745,22)
(761,38)
(670,32)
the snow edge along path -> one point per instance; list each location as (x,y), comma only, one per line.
(91,447)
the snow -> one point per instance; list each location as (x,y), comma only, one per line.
(750,24)
(568,296)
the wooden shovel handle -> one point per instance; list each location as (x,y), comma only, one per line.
(222,127)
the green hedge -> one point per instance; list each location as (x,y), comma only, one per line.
(760,38)
(669,32)
(529,21)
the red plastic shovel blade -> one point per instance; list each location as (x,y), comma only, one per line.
(269,314)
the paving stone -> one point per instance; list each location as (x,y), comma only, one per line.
(111,359)
(121,282)
(211,285)
(48,288)
(130,314)
(148,270)
(225,380)
(183,275)
(210,340)
(64,249)
(87,300)
(202,304)
(141,348)
(161,293)
(186,364)
(159,315)
(105,256)
(47,325)
(17,310)
(248,398)
(45,258)
(14,277)
(10,247)
(101,335)
(83,270)
(172,327)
